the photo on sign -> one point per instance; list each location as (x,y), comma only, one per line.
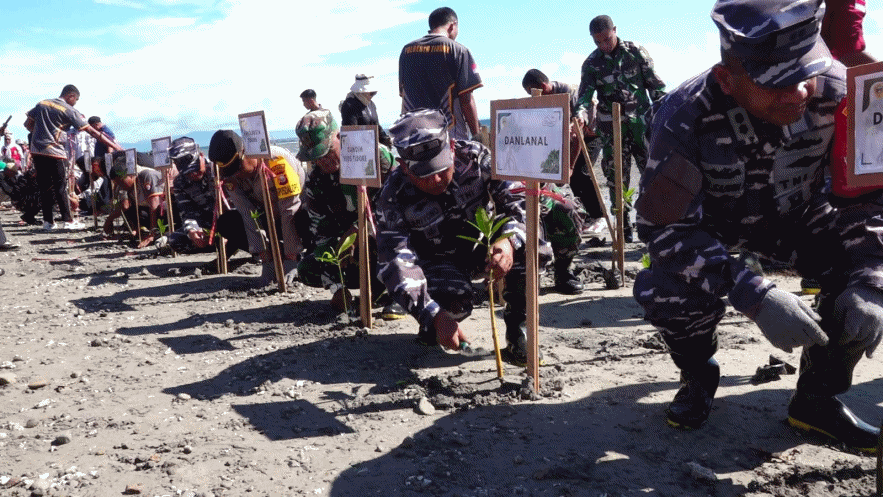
(529,143)
(130,161)
(255,140)
(108,163)
(869,124)
(160,148)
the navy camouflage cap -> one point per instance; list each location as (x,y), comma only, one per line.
(421,138)
(314,133)
(184,153)
(777,41)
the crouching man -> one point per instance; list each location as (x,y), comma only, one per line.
(737,160)
(424,204)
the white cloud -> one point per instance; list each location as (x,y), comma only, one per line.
(122,3)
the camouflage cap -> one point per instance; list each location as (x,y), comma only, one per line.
(225,150)
(421,138)
(314,132)
(777,41)
(184,153)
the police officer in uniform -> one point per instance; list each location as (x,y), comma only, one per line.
(737,160)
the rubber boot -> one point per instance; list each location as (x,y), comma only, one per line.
(700,375)
(826,372)
(566,282)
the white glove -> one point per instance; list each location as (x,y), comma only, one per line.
(860,309)
(788,322)
(289,268)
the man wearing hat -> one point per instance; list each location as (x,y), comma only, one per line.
(242,185)
(150,206)
(423,206)
(358,108)
(332,208)
(194,188)
(737,160)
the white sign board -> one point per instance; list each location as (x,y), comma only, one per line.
(530,139)
(160,147)
(359,157)
(255,139)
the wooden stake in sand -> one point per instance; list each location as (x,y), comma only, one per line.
(530,142)
(360,166)
(619,238)
(163,162)
(219,210)
(131,170)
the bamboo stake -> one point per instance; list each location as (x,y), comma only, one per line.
(619,250)
(364,261)
(271,229)
(585,151)
(222,247)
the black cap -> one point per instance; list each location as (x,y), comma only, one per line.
(225,150)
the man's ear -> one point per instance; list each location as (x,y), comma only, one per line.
(725,78)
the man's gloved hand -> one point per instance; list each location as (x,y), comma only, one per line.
(788,322)
(289,267)
(860,309)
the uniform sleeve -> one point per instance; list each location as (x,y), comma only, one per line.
(76,119)
(467,72)
(187,208)
(289,206)
(396,260)
(652,82)
(587,86)
(669,214)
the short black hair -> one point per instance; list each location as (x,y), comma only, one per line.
(68,89)
(308,93)
(599,24)
(94,120)
(534,79)
(441,16)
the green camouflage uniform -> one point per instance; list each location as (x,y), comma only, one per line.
(626,76)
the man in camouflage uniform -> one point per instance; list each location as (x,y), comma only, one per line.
(423,206)
(150,206)
(194,198)
(737,160)
(333,208)
(242,184)
(619,71)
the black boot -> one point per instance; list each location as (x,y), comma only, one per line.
(566,282)
(515,352)
(700,375)
(692,404)
(628,233)
(824,373)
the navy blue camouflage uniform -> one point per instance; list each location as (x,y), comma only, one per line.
(196,203)
(718,180)
(424,265)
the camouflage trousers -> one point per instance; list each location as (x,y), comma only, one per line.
(562,217)
(837,247)
(633,147)
(450,285)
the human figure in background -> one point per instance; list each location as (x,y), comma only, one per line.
(48,122)
(358,108)
(843,32)
(436,72)
(100,147)
(619,71)
(308,97)
(737,159)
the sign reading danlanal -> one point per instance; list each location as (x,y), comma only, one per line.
(529,137)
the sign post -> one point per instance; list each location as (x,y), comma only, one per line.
(256,145)
(619,236)
(131,170)
(87,161)
(360,166)
(530,139)
(864,148)
(163,162)
(219,210)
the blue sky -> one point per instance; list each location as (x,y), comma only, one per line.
(153,68)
